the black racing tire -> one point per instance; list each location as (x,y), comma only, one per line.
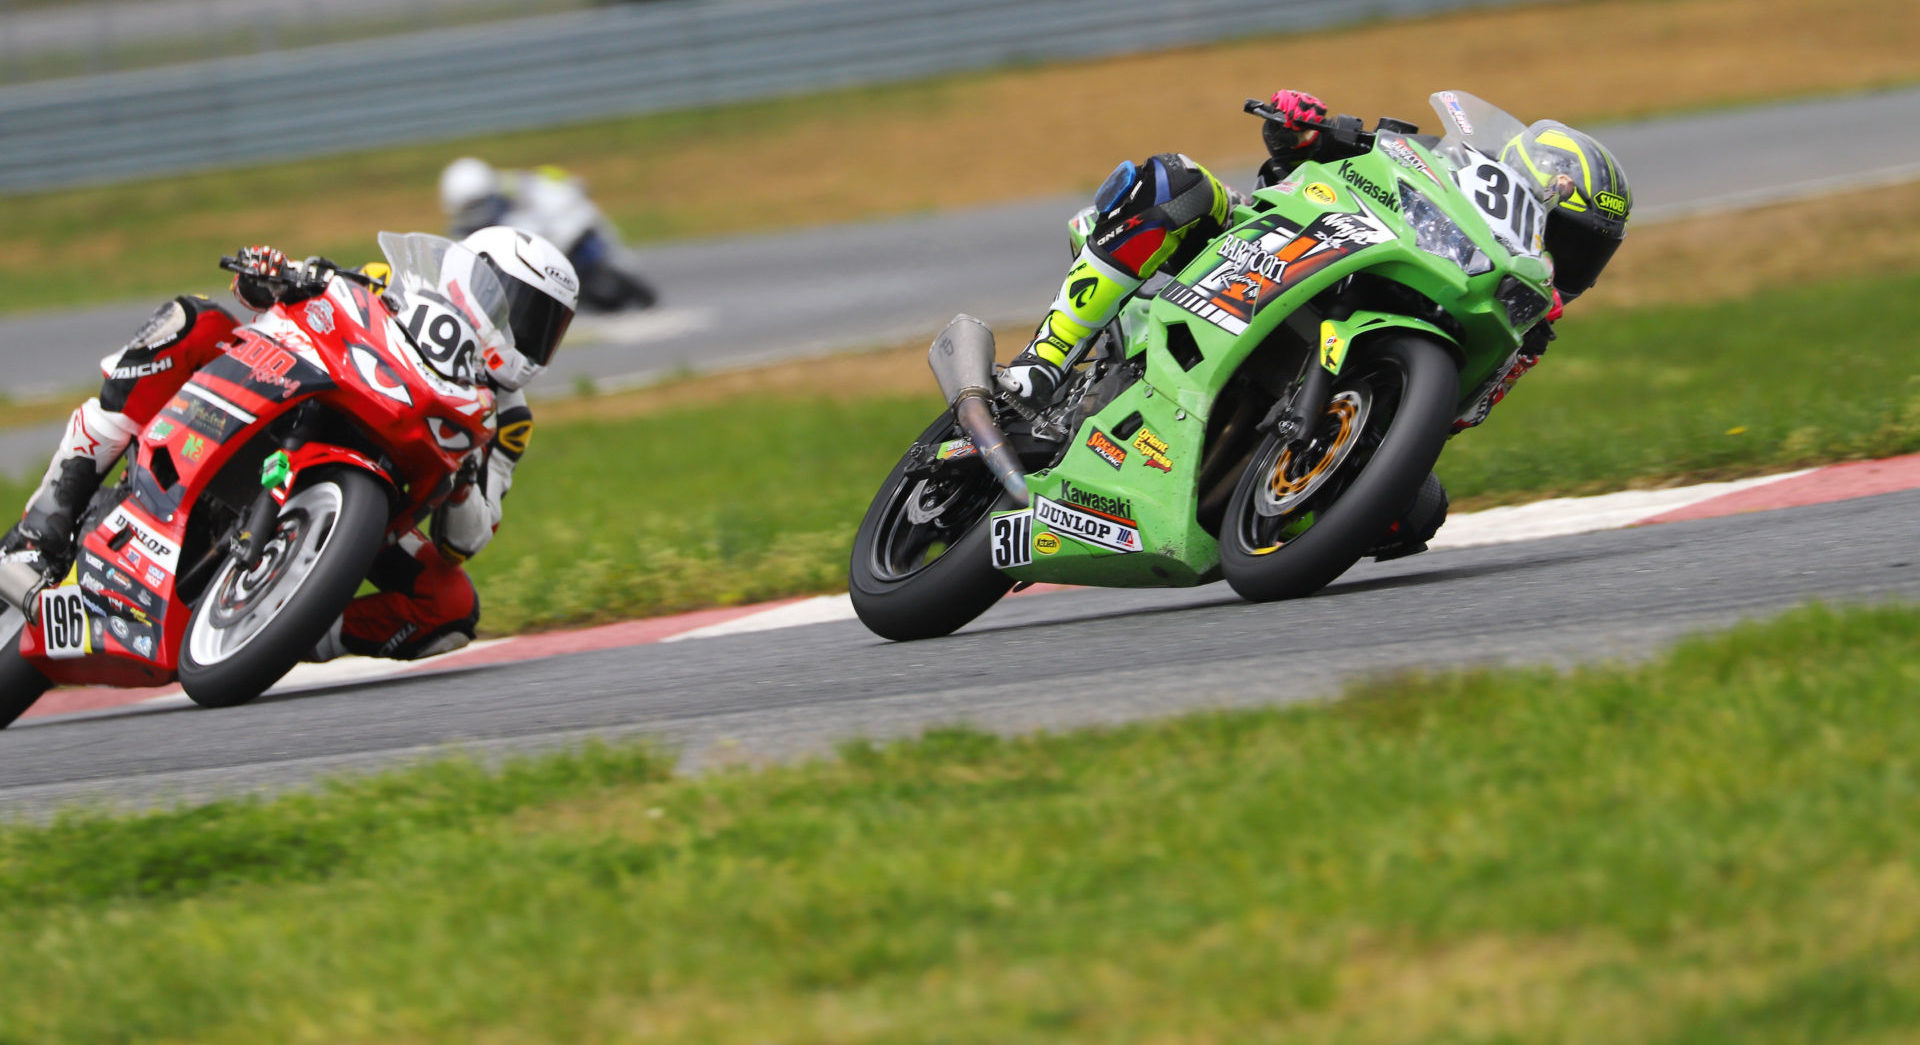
(1413,385)
(20,682)
(902,599)
(251,627)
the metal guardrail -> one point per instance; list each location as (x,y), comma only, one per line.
(671,54)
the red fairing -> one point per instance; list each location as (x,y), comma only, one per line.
(341,352)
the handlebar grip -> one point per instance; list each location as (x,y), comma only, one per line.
(230,263)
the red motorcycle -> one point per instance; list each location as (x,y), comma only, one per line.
(254,503)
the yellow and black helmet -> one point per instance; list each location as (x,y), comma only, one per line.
(1590,219)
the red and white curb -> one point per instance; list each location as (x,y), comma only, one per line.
(1558,517)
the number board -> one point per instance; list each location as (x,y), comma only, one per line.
(445,338)
(63,620)
(1504,197)
(1011,539)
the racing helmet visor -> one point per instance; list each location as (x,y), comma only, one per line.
(537,320)
(1580,251)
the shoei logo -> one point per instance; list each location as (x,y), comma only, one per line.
(1611,204)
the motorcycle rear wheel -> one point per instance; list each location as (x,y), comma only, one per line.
(1293,525)
(253,625)
(920,564)
(20,682)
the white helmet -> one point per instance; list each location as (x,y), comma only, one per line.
(542,292)
(467,184)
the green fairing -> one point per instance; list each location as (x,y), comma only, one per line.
(1175,403)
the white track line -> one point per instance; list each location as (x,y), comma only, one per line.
(1564,516)
(821,610)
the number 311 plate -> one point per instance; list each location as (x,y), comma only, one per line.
(1011,539)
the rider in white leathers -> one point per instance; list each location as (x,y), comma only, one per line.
(552,204)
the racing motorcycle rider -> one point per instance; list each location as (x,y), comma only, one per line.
(1161,213)
(426,603)
(551,203)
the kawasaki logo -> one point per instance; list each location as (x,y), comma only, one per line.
(1099,502)
(1368,187)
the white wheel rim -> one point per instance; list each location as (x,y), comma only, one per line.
(239,605)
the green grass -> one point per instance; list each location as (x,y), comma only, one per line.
(1720,846)
(1804,375)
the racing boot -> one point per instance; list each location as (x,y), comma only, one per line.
(94,440)
(1090,297)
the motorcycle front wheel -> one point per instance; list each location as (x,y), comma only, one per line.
(1301,516)
(255,622)
(920,565)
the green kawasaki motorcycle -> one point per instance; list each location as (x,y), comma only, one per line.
(1266,415)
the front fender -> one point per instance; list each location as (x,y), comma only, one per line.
(1337,336)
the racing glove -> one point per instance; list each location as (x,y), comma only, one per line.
(258,268)
(266,276)
(1291,139)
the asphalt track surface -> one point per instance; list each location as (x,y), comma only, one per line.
(1057,660)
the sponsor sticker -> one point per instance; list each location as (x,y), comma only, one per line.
(156,576)
(1261,259)
(1010,540)
(143,645)
(320,315)
(148,369)
(1455,112)
(1333,347)
(193,447)
(1101,531)
(1404,155)
(1046,543)
(1153,449)
(954,449)
(1612,204)
(1109,451)
(163,552)
(1322,193)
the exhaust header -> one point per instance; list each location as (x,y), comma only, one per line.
(962,361)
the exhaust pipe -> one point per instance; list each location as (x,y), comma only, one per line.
(20,584)
(962,361)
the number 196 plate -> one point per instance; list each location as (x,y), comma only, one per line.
(63,620)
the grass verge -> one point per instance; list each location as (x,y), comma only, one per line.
(911,147)
(1722,845)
